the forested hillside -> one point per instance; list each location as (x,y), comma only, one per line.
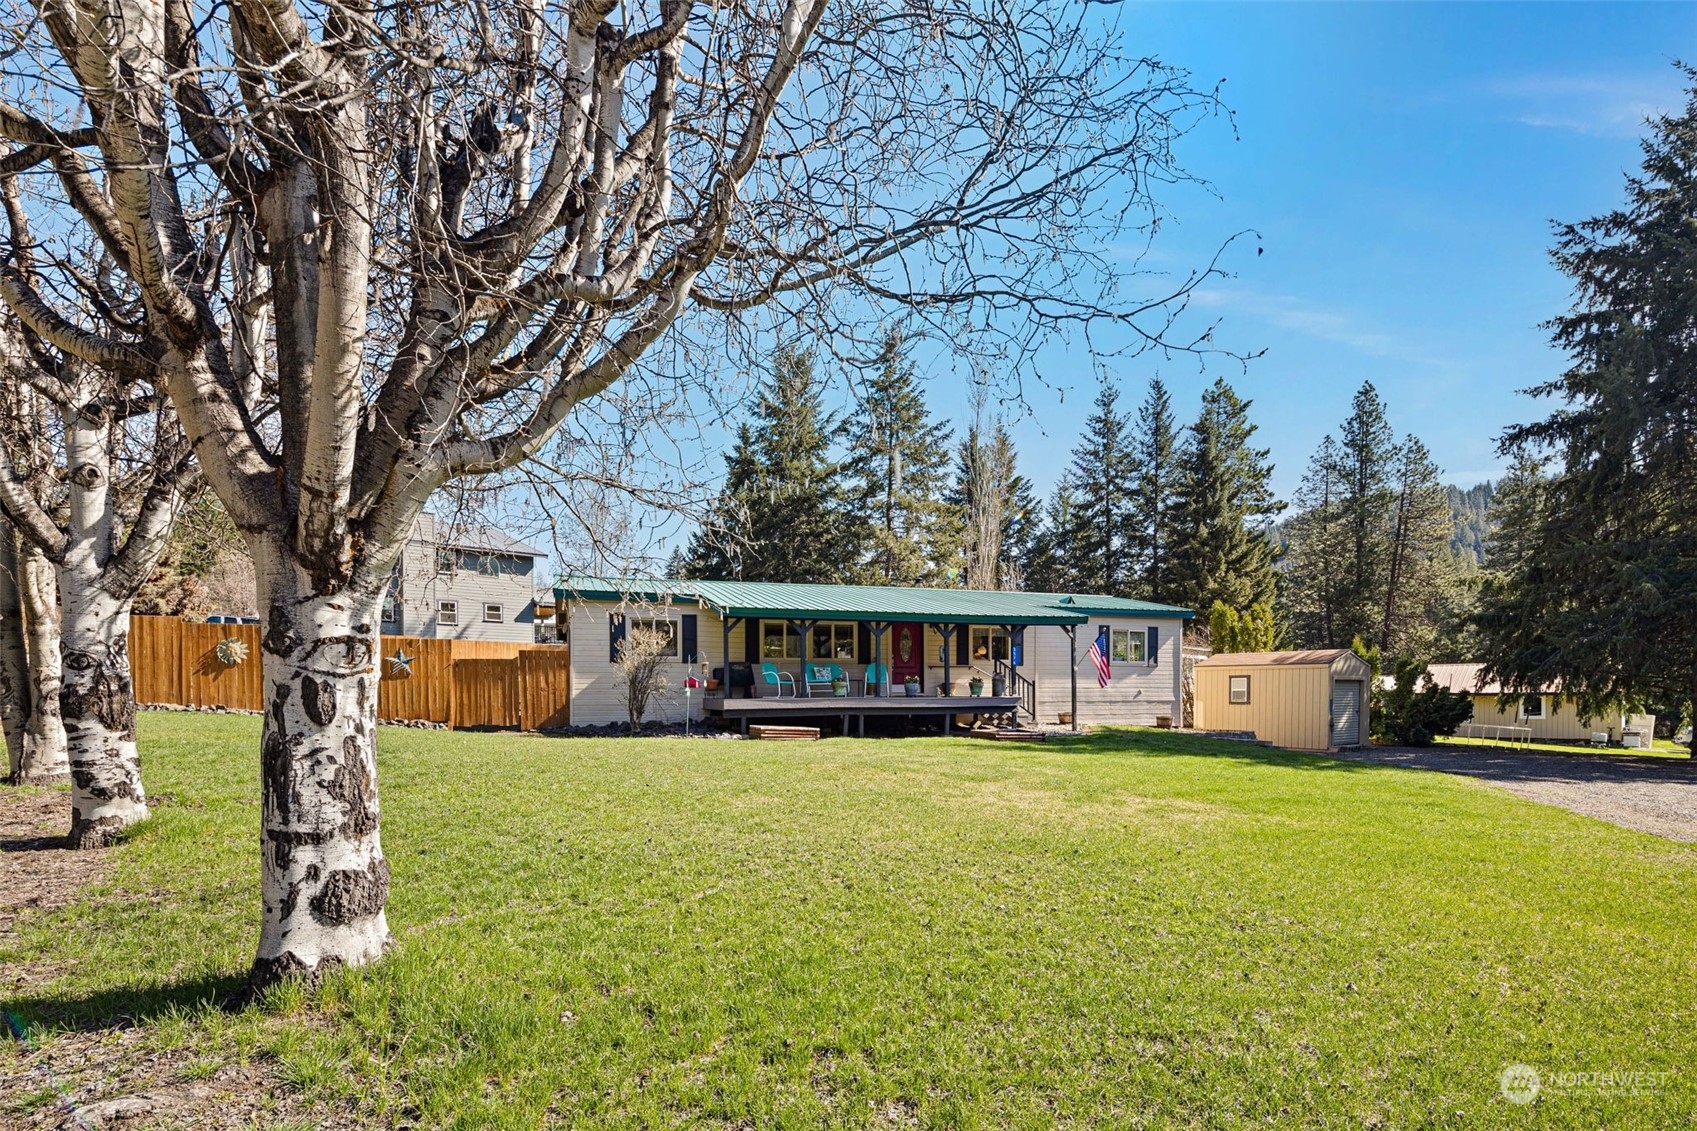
(1471,508)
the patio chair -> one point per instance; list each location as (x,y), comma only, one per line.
(877,675)
(769,683)
(817,675)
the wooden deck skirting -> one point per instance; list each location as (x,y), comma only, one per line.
(858,707)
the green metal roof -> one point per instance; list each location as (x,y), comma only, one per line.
(790,601)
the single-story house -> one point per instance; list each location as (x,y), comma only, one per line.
(1314,700)
(1542,716)
(1034,647)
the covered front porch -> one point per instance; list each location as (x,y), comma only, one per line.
(853,710)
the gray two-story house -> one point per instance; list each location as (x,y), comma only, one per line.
(464,582)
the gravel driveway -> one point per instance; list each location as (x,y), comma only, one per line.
(1652,795)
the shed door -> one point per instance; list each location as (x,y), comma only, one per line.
(1346,713)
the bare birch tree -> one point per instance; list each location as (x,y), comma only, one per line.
(101,519)
(384,247)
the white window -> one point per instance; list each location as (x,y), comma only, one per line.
(1130,646)
(833,642)
(779,641)
(1237,689)
(448,613)
(668,630)
(1532,707)
(989,642)
(492,613)
(445,562)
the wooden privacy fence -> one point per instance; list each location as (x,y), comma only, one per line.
(463,683)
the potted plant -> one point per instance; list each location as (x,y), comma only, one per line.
(975,686)
(839,687)
(911,685)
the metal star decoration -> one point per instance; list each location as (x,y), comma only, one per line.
(400,664)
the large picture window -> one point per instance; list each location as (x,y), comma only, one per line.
(668,630)
(833,642)
(1129,646)
(989,642)
(779,641)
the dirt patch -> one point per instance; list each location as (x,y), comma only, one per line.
(117,1078)
(38,873)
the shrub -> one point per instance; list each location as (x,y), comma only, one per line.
(1411,717)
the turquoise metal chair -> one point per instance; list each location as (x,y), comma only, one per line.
(772,681)
(877,675)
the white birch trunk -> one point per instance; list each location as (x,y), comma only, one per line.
(45,757)
(14,658)
(324,880)
(96,697)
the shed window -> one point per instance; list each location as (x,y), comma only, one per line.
(1237,689)
(667,630)
(492,612)
(1532,707)
(779,641)
(448,613)
(1131,646)
(833,642)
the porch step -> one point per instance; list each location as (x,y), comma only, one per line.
(770,733)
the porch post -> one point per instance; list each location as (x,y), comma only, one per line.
(948,632)
(1072,654)
(725,658)
(804,629)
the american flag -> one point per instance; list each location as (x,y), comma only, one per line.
(1099,657)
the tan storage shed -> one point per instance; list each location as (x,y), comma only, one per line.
(1299,700)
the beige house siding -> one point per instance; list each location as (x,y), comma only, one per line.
(595,691)
(1138,693)
(1290,705)
(1561,721)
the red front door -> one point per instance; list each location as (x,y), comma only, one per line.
(906,644)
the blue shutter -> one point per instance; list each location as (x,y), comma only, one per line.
(615,635)
(1016,645)
(691,646)
(963,644)
(1154,647)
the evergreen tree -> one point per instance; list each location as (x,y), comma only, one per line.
(1420,583)
(1220,549)
(1100,481)
(1310,578)
(1368,455)
(783,514)
(987,494)
(1154,503)
(897,470)
(1049,564)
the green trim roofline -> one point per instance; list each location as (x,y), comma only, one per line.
(772,600)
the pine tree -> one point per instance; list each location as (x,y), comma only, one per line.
(1368,454)
(986,497)
(1100,481)
(1310,577)
(1420,580)
(897,469)
(783,514)
(1154,503)
(1049,564)
(1220,550)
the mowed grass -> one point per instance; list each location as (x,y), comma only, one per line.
(1660,747)
(1126,929)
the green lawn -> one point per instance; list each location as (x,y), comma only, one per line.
(1127,929)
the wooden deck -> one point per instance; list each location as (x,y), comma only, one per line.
(858,707)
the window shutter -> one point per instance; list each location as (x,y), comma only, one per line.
(863,643)
(963,644)
(1154,647)
(615,635)
(751,640)
(691,646)
(1016,645)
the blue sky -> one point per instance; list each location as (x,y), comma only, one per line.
(1402,164)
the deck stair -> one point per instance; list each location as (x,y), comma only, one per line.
(771,733)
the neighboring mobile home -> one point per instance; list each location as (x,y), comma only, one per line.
(1299,700)
(1545,715)
(462,583)
(1034,643)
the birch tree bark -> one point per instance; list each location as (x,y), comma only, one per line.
(415,239)
(46,757)
(14,657)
